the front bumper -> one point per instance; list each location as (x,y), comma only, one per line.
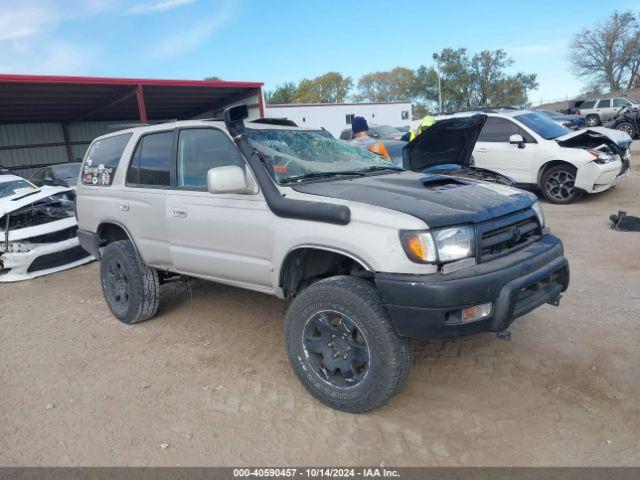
(42,259)
(423,306)
(594,178)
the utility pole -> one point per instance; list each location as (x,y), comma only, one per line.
(436,58)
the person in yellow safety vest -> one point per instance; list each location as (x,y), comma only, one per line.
(425,123)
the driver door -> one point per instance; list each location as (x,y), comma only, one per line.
(222,237)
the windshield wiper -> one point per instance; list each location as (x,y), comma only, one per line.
(378,168)
(310,175)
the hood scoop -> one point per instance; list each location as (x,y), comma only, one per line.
(442,183)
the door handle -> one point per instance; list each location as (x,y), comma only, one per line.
(179,212)
(123,207)
(482,150)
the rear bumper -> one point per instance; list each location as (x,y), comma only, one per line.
(428,306)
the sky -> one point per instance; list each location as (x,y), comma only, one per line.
(275,41)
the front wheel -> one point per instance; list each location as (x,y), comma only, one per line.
(558,184)
(343,347)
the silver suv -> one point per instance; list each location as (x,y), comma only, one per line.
(598,111)
(366,255)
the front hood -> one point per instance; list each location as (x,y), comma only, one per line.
(616,136)
(16,202)
(437,200)
(447,141)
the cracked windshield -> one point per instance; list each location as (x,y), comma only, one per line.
(295,155)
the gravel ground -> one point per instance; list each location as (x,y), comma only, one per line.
(207,382)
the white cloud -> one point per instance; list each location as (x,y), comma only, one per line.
(157,6)
(188,39)
(21,22)
(50,57)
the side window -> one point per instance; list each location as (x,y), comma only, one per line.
(498,130)
(349,118)
(152,160)
(588,104)
(102,160)
(604,103)
(201,149)
(620,102)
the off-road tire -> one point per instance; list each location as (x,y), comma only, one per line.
(628,128)
(575,194)
(593,120)
(142,284)
(389,354)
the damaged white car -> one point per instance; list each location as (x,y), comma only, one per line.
(38,229)
(535,151)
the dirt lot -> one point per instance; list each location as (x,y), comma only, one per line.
(207,382)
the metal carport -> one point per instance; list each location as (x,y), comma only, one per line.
(52,119)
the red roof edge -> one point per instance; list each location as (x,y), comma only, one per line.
(148,82)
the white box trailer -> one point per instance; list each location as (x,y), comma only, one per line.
(336,117)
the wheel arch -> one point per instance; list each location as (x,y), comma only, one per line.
(305,264)
(112,231)
(552,163)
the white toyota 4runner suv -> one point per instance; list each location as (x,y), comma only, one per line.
(535,151)
(367,255)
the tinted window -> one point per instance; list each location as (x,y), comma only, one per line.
(543,126)
(620,102)
(200,150)
(588,104)
(498,130)
(151,162)
(102,160)
(65,171)
(346,134)
(604,103)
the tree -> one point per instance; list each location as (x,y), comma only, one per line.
(609,53)
(213,79)
(473,82)
(394,85)
(331,87)
(284,93)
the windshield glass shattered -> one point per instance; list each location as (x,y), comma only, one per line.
(14,187)
(298,155)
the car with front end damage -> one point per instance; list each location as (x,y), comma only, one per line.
(37,229)
(536,152)
(367,256)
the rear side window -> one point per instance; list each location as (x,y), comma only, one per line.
(604,103)
(102,160)
(152,161)
(201,149)
(588,104)
(620,102)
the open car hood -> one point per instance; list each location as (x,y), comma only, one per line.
(618,140)
(448,141)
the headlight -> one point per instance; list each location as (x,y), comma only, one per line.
(602,157)
(539,213)
(443,245)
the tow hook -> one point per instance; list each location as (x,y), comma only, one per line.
(555,301)
(504,335)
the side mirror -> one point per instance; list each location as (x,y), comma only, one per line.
(516,139)
(230,179)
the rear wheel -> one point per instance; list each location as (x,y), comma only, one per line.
(343,347)
(627,127)
(593,120)
(558,184)
(131,289)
